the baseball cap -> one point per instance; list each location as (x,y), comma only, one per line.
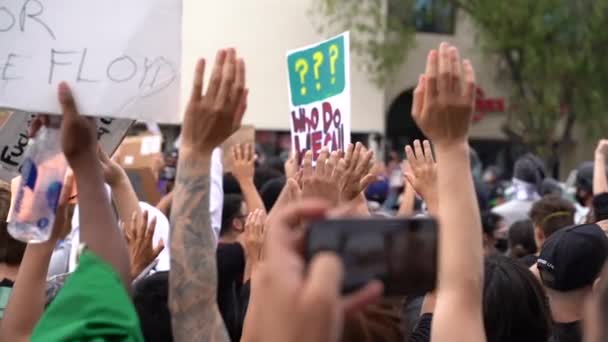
(573,257)
(584,175)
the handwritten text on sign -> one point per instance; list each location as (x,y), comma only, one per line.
(319,89)
(122,58)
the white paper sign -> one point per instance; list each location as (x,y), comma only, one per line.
(121,58)
(319,93)
(14,140)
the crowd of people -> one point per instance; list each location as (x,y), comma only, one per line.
(220,257)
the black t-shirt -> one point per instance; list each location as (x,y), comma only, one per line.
(529,260)
(422,331)
(567,332)
(230,270)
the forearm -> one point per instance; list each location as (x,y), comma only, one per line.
(125,199)
(600,182)
(26,304)
(98,226)
(251,196)
(408,202)
(165,204)
(193,276)
(460,236)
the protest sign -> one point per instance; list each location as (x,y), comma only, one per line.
(121,58)
(319,93)
(14,140)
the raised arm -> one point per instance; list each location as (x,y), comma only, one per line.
(98,225)
(210,118)
(243,168)
(600,182)
(443,106)
(27,300)
(123,194)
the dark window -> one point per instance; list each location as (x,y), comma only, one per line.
(429,16)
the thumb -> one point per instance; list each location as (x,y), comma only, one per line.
(367,180)
(66,100)
(159,248)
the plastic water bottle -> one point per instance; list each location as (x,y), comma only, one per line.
(42,177)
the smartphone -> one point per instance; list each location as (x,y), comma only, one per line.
(400,252)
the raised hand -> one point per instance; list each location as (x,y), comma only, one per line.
(113,173)
(444,98)
(422,173)
(353,172)
(139,234)
(243,162)
(320,182)
(252,240)
(291,166)
(211,117)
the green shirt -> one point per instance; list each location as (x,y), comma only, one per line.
(92,306)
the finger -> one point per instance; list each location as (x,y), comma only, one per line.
(125,232)
(365,164)
(368,295)
(66,100)
(419,152)
(228,78)
(235,156)
(239,152)
(133,227)
(418,98)
(411,158)
(35,126)
(197,86)
(238,87)
(331,164)
(151,229)
(410,178)
(444,81)
(67,190)
(324,281)
(428,152)
(339,171)
(366,181)
(456,70)
(248,152)
(349,154)
(216,75)
(321,161)
(469,77)
(240,110)
(355,158)
(307,165)
(431,90)
(159,248)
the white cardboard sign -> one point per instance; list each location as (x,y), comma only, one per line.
(14,140)
(122,58)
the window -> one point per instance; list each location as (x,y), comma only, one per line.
(430,16)
(434,16)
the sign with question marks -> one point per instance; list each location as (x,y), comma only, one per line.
(319,93)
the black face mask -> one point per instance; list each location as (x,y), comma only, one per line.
(580,199)
(502,245)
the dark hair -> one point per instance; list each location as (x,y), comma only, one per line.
(530,169)
(521,239)
(11,250)
(550,186)
(515,307)
(230,185)
(230,211)
(552,213)
(489,222)
(600,207)
(270,192)
(264,174)
(150,297)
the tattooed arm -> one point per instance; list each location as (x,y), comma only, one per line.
(209,120)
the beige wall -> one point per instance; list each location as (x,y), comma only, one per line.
(263,30)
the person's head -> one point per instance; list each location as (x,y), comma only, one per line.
(11,250)
(550,214)
(234,213)
(494,237)
(264,174)
(230,185)
(515,307)
(521,239)
(584,183)
(550,186)
(270,192)
(600,207)
(572,258)
(150,297)
(530,169)
(377,191)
